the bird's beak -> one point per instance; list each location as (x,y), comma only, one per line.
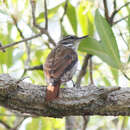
(83,37)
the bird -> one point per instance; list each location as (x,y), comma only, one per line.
(61,64)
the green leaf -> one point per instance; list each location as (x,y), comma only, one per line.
(71,13)
(64,33)
(115,74)
(86,20)
(93,47)
(3,12)
(129,22)
(105,80)
(17,54)
(108,39)
(51,13)
(6,58)
(128,60)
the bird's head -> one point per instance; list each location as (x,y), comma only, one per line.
(71,41)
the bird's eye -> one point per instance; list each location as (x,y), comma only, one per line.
(71,37)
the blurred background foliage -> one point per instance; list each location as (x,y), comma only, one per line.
(108,42)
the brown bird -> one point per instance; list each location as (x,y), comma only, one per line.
(61,64)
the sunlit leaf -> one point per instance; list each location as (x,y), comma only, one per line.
(129,22)
(93,47)
(108,39)
(128,59)
(17,54)
(6,58)
(51,13)
(106,81)
(3,12)
(86,20)
(71,13)
(115,74)
(64,33)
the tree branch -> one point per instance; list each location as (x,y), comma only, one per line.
(83,69)
(42,30)
(65,10)
(116,11)
(91,70)
(5,124)
(38,67)
(90,100)
(18,42)
(106,10)
(28,51)
(46,15)
(120,20)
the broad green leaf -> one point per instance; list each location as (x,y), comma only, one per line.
(17,54)
(108,39)
(93,47)
(115,74)
(82,19)
(6,57)
(45,124)
(86,20)
(63,31)
(105,80)
(3,12)
(128,60)
(125,122)
(51,13)
(71,13)
(129,23)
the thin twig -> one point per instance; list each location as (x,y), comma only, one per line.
(116,11)
(17,115)
(46,15)
(18,124)
(124,39)
(65,10)
(42,30)
(106,10)
(26,43)
(18,42)
(83,69)
(115,5)
(91,70)
(2,46)
(38,67)
(126,76)
(5,124)
(85,123)
(33,5)
(120,20)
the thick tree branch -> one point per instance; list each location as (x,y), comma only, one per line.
(90,100)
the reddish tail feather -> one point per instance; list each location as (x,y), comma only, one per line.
(52,92)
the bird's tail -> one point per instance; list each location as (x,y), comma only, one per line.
(52,92)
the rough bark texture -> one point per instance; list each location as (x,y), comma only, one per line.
(89,100)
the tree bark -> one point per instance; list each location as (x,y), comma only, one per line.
(88,100)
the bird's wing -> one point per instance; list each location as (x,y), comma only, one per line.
(59,61)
